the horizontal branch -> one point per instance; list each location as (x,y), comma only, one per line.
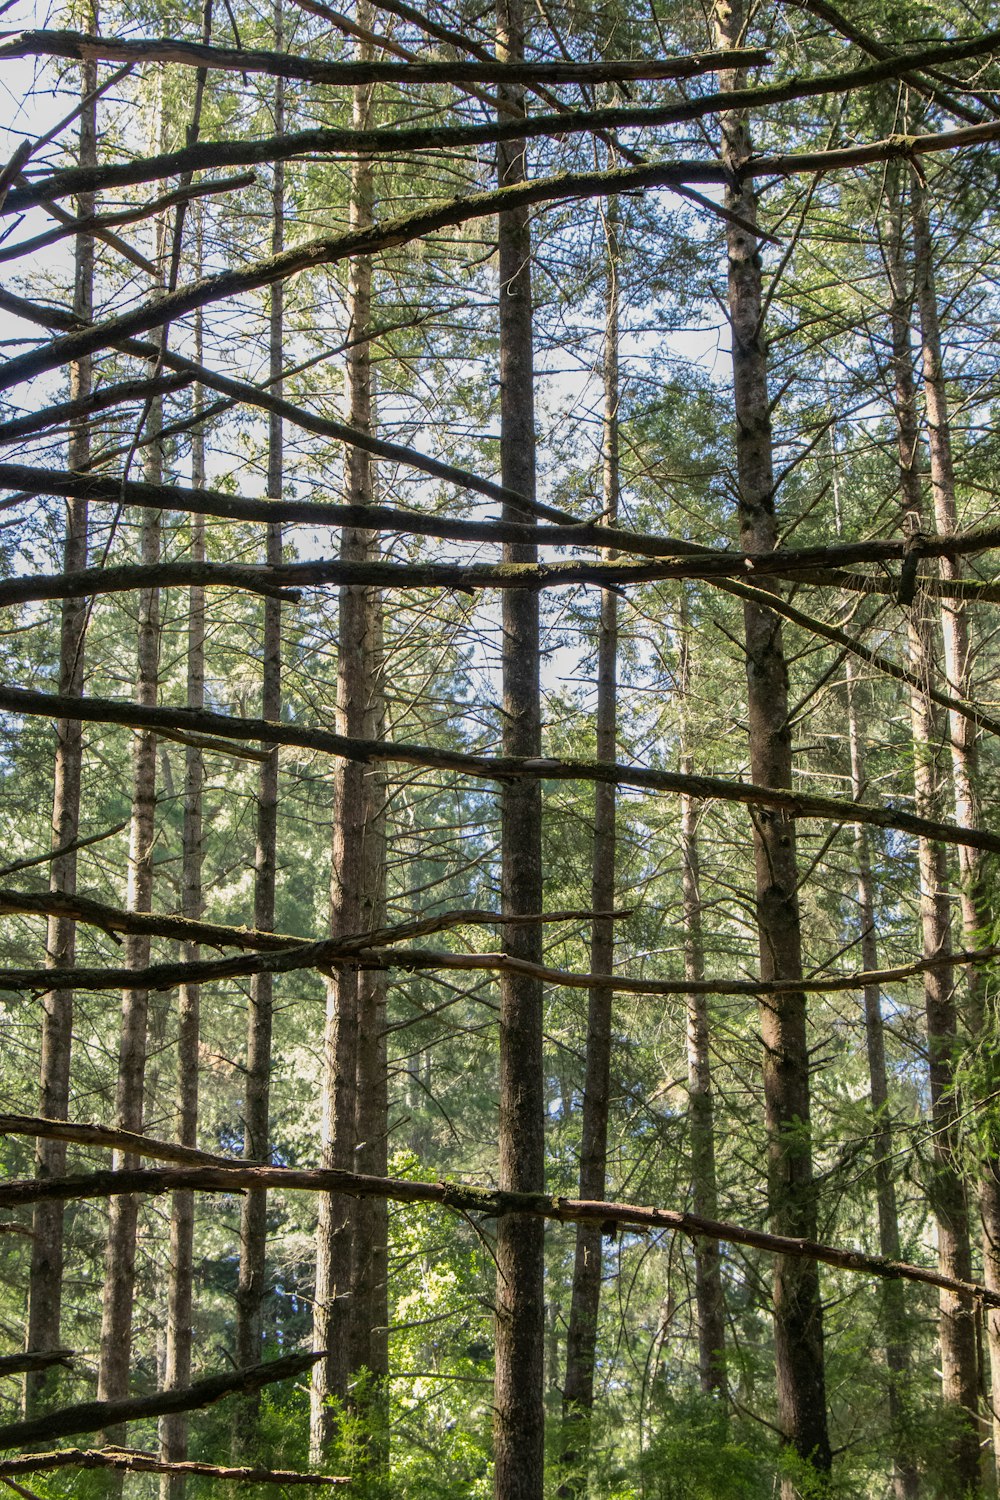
(35,1359)
(23,701)
(465,1199)
(253,395)
(330,953)
(260,577)
(208,155)
(455,576)
(355,437)
(893,148)
(106,1138)
(114,919)
(970,589)
(492,768)
(688,560)
(95,1416)
(26,479)
(131,1460)
(84,47)
(824,11)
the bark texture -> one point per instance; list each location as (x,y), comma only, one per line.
(116,1321)
(701,1105)
(798,1318)
(351,1314)
(946,1189)
(252,1285)
(905,1478)
(581,1337)
(180,1289)
(975,897)
(519,1418)
(119,1276)
(44,1314)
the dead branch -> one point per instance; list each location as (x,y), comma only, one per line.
(34,481)
(330,953)
(95,223)
(107,1138)
(262,578)
(168,307)
(490,768)
(688,559)
(212,154)
(865,653)
(114,919)
(94,1416)
(80,45)
(35,1359)
(462,1198)
(132,1460)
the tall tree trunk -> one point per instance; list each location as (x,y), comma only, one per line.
(44,1318)
(905,1478)
(701,1106)
(119,1272)
(959,1363)
(180,1289)
(119,1280)
(350,1309)
(519,1417)
(976,903)
(798,1317)
(256,1131)
(581,1338)
(898,1351)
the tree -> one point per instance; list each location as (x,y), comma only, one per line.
(798,1319)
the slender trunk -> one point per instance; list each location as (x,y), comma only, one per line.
(44,1318)
(119,1272)
(905,1478)
(256,1137)
(116,1324)
(581,1338)
(180,1290)
(519,1417)
(977,907)
(798,1317)
(350,1319)
(957,1333)
(701,1106)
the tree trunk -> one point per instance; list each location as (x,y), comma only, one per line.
(44,1318)
(957,1333)
(119,1272)
(798,1317)
(351,1317)
(581,1338)
(905,1478)
(116,1323)
(180,1290)
(519,1418)
(256,1133)
(976,903)
(701,1107)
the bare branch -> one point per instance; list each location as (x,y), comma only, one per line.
(131,1460)
(212,154)
(462,1198)
(490,768)
(95,1416)
(35,1359)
